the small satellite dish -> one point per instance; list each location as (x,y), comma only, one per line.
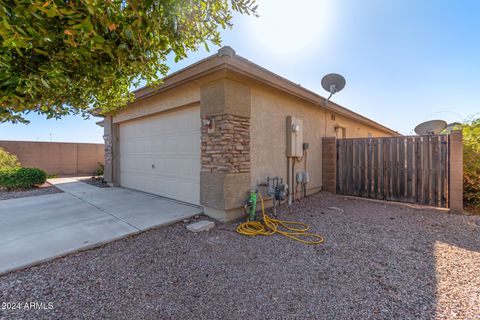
(430,127)
(333,83)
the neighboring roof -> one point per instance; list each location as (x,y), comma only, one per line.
(227,59)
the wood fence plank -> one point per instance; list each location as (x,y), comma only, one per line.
(443,154)
(430,171)
(359,167)
(394,171)
(419,171)
(362,168)
(359,172)
(439,174)
(401,168)
(435,170)
(340,166)
(363,171)
(381,163)
(376,175)
(337,149)
(345,166)
(354,155)
(349,159)
(369,168)
(410,142)
(446,169)
(391,170)
(409,169)
(425,170)
(381,171)
(387,163)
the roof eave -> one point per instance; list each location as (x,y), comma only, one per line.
(229,61)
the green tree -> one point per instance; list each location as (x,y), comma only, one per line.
(62,57)
(471,162)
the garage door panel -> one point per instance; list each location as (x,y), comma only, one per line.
(171,143)
(185,167)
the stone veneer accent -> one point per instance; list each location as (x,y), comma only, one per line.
(108,148)
(227,148)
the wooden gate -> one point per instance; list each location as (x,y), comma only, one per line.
(411,169)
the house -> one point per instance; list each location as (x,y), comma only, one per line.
(214,130)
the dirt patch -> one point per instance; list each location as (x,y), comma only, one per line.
(44,189)
(379,261)
(94,181)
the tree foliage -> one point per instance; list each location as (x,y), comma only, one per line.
(8,160)
(60,57)
(471,161)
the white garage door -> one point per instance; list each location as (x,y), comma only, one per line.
(161,154)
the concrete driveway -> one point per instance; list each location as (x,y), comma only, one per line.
(40,228)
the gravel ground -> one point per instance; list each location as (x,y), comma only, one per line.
(380,261)
(45,188)
(95,182)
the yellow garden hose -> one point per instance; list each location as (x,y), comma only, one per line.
(270,226)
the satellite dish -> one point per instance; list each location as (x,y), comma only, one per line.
(430,127)
(333,83)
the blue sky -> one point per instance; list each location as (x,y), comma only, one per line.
(404,61)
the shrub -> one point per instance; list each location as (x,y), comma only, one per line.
(100,169)
(471,189)
(21,178)
(471,162)
(8,160)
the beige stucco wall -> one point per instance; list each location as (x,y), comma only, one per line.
(270,109)
(183,95)
(354,129)
(57,157)
(268,135)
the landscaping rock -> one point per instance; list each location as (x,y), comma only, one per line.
(335,209)
(44,189)
(203,225)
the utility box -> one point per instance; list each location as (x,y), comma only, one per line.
(294,136)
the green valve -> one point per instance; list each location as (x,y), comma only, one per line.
(252,201)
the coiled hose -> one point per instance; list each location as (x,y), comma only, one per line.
(270,226)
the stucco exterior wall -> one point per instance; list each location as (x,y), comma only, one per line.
(57,157)
(270,109)
(268,135)
(354,129)
(183,95)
